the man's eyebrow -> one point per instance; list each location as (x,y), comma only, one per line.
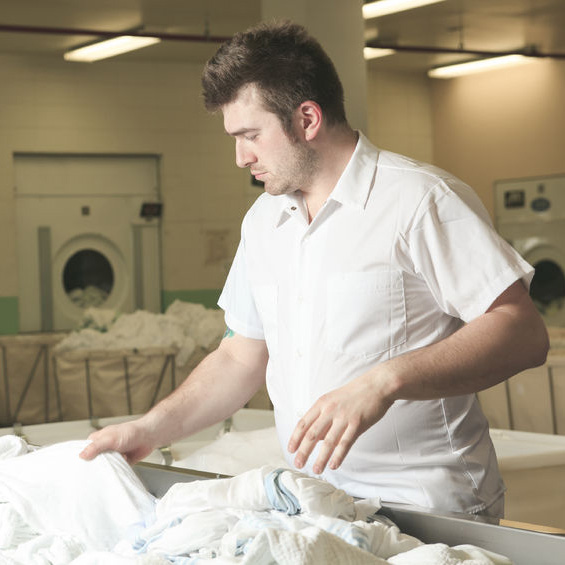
(241,131)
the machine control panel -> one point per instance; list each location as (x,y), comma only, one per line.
(528,199)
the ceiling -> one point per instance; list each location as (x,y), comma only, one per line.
(47,28)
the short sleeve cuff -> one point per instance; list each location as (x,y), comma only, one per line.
(239,327)
(509,276)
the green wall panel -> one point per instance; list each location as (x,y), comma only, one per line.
(206,296)
(8,315)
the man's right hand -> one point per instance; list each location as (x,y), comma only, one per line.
(130,439)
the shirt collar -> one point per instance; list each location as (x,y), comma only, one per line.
(291,204)
(355,184)
(353,187)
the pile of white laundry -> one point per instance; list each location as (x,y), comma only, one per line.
(184,326)
(56,509)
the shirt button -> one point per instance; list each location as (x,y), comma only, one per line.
(293,208)
(299,352)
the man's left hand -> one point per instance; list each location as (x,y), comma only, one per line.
(337,419)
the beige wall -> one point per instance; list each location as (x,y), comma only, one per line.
(52,106)
(504,124)
(400,113)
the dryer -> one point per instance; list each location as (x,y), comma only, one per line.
(86,237)
(530,215)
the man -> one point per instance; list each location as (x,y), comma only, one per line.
(368,289)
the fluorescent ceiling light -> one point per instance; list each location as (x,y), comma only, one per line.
(109,48)
(478,66)
(375,52)
(385,7)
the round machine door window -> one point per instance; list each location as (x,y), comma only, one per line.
(548,287)
(88,278)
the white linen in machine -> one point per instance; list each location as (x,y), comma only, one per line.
(12,446)
(53,491)
(56,509)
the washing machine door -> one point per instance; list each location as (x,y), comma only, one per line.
(548,285)
(88,271)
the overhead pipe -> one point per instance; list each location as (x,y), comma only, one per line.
(111,34)
(527,52)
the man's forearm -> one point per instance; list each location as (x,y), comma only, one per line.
(507,339)
(218,386)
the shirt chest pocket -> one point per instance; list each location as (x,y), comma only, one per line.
(366,312)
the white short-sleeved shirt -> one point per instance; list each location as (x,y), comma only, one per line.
(399,257)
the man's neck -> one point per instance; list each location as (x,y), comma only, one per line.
(334,151)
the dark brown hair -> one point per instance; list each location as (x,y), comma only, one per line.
(286,64)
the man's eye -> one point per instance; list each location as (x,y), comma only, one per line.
(251,137)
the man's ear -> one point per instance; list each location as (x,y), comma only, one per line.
(310,119)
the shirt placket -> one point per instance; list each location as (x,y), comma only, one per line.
(302,349)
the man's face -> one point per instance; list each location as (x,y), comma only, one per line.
(282,164)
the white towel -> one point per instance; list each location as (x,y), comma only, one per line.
(441,554)
(311,546)
(53,490)
(112,558)
(48,549)
(12,446)
(247,492)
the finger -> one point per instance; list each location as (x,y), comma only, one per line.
(342,448)
(300,430)
(100,441)
(316,432)
(89,452)
(331,441)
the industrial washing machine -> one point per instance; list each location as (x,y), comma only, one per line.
(87,236)
(530,215)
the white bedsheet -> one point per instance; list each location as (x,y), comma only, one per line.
(53,491)
(56,509)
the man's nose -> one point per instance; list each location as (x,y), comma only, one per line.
(243,156)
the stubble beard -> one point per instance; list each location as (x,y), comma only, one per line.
(299,172)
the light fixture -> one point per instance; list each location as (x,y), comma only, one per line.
(385,7)
(478,66)
(375,52)
(109,48)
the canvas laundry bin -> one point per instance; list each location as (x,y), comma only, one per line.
(531,401)
(27,388)
(103,383)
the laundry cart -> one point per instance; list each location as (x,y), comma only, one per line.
(40,384)
(100,383)
(27,390)
(531,401)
